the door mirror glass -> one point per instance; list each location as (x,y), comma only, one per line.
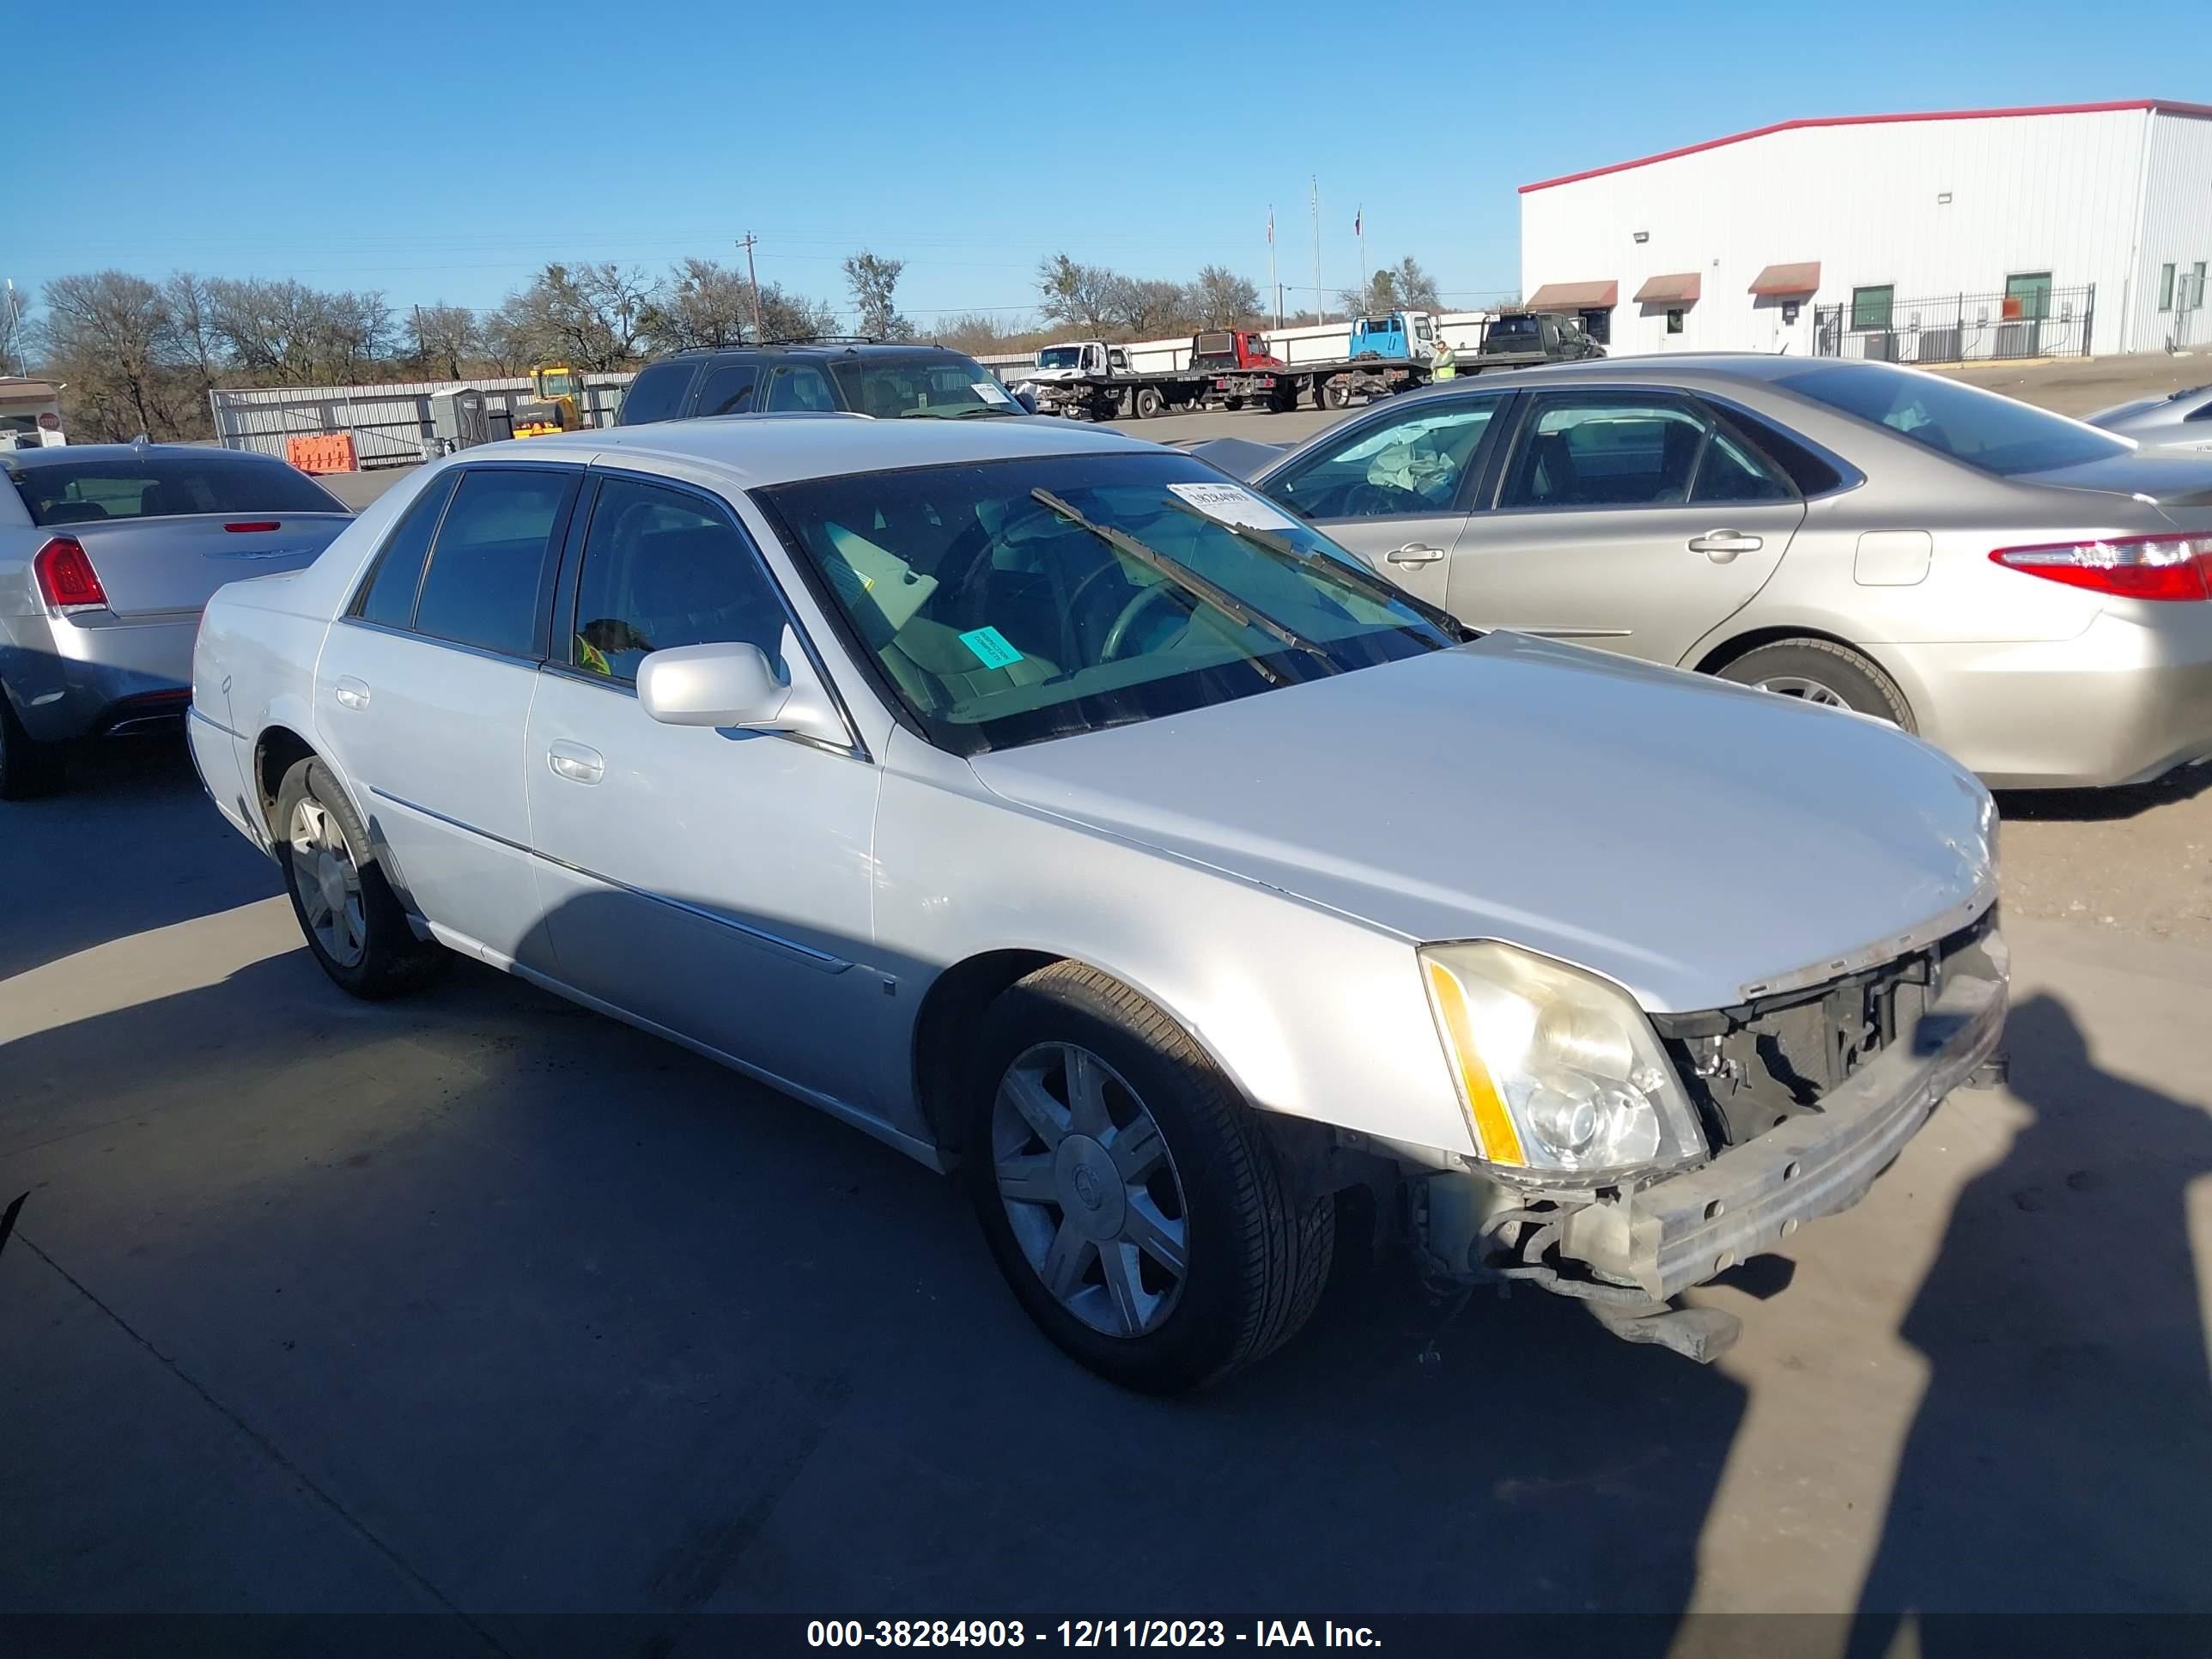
(726,684)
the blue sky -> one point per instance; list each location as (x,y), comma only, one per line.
(442,155)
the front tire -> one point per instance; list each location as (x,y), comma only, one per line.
(1129,1196)
(1148,403)
(346,911)
(28,769)
(1822,672)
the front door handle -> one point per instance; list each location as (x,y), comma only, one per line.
(573,762)
(351,693)
(1722,545)
(1414,553)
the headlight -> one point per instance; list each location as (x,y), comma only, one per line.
(1558,1071)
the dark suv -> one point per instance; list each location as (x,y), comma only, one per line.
(887,381)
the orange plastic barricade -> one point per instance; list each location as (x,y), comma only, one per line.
(325,452)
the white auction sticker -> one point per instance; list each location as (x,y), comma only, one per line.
(1233,504)
(992,392)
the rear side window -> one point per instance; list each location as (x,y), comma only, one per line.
(388,598)
(492,565)
(165,486)
(800,387)
(1812,473)
(1605,450)
(1732,471)
(657,394)
(728,389)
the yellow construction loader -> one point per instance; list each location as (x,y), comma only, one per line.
(556,402)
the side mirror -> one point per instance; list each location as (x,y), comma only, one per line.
(732,684)
(1027,399)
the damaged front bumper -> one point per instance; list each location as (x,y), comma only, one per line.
(1625,1251)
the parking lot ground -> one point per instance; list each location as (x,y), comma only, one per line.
(476,1306)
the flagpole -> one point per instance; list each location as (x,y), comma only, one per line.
(1273,287)
(1321,303)
(1359,224)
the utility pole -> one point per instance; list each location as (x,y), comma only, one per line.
(15,331)
(1320,304)
(753,283)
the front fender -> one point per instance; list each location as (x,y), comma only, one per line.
(1310,1013)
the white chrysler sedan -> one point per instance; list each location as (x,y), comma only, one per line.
(1052,808)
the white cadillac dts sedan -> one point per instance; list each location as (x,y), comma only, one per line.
(1048,806)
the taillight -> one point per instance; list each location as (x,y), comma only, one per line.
(66,575)
(2126,567)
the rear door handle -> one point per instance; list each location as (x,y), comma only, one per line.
(1414,553)
(573,762)
(351,693)
(1722,545)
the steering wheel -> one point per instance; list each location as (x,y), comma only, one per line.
(1140,602)
(1368,499)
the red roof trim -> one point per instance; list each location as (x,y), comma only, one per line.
(2165,104)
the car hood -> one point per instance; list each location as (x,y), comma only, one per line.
(1696,841)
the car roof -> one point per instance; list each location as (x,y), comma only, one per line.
(754,450)
(863,349)
(1661,367)
(61,454)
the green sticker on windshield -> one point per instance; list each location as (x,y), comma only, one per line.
(990,647)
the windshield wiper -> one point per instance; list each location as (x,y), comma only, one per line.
(1376,588)
(1183,576)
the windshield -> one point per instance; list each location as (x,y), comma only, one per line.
(940,384)
(1981,428)
(1061,357)
(161,486)
(999,619)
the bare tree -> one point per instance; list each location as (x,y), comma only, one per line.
(703,303)
(1417,289)
(1086,297)
(1219,298)
(874,283)
(592,316)
(1145,306)
(111,337)
(446,338)
(191,309)
(295,335)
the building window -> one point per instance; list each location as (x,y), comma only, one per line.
(1675,319)
(1870,305)
(2028,295)
(2197,289)
(2166,287)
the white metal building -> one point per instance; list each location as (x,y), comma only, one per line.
(2072,229)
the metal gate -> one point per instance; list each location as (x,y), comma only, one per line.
(1959,328)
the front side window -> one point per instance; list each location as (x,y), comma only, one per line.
(799,387)
(158,486)
(663,568)
(728,389)
(996,619)
(388,600)
(1414,463)
(1984,430)
(1870,307)
(491,564)
(1601,449)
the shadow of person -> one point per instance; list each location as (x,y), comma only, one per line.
(2058,1463)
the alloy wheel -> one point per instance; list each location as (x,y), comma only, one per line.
(328,882)
(1090,1189)
(1796,685)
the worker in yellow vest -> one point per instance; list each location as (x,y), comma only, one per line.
(1444,363)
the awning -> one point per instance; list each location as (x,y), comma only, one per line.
(1680,289)
(1574,296)
(1788,279)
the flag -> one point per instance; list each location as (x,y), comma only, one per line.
(1356,218)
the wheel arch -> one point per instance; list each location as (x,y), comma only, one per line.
(276,751)
(1713,655)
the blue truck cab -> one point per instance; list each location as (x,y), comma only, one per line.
(1403,336)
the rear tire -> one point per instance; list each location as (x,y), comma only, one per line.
(1106,1184)
(1820,671)
(1148,403)
(352,921)
(28,769)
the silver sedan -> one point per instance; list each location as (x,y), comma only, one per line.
(2023,590)
(107,552)
(1048,806)
(2180,420)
